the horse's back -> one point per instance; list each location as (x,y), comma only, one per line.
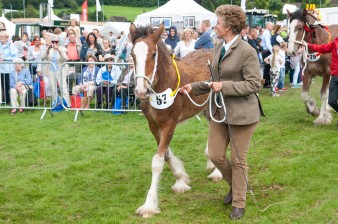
(194,66)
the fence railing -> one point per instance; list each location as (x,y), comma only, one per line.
(75,86)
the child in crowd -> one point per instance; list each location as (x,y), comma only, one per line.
(282,50)
(275,61)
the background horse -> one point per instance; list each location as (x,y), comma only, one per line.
(156,73)
(304,27)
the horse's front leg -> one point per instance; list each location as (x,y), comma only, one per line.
(150,207)
(325,116)
(310,104)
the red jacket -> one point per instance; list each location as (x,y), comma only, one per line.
(331,47)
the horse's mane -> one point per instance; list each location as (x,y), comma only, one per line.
(299,14)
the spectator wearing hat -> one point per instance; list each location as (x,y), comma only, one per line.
(106,80)
(86,81)
(20,78)
(7,53)
(57,56)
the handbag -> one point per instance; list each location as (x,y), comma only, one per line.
(75,101)
(31,99)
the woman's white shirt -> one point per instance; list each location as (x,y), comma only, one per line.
(182,49)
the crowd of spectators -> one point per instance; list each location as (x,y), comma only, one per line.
(69,45)
(54,57)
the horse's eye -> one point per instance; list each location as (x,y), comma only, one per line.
(153,56)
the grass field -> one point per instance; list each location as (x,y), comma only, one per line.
(97,170)
(129,12)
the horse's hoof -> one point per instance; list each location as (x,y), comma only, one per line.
(216,176)
(147,211)
(180,188)
(322,121)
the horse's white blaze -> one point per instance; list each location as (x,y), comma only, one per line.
(150,207)
(292,37)
(140,52)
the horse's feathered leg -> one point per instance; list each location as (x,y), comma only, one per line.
(181,176)
(150,207)
(216,175)
(325,116)
(310,104)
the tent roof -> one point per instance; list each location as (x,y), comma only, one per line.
(176,9)
(116,27)
(53,16)
(10,27)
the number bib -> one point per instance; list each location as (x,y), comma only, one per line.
(162,102)
(313,57)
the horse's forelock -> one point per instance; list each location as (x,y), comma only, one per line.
(142,32)
(299,14)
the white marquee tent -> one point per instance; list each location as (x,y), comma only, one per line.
(115,27)
(181,13)
(10,27)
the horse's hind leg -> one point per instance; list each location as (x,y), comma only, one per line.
(181,176)
(216,175)
(325,116)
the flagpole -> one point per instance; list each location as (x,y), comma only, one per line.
(97,18)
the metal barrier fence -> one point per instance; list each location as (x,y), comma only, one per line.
(75,86)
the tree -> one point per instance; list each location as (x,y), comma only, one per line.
(208,5)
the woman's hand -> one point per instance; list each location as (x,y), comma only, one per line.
(216,86)
(186,87)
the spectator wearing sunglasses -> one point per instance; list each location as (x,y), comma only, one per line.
(106,81)
(57,56)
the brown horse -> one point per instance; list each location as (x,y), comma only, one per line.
(304,26)
(157,83)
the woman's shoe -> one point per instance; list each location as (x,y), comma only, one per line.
(21,110)
(13,111)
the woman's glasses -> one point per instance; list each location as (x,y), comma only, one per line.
(110,59)
(55,42)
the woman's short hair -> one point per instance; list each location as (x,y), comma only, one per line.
(233,16)
(18,61)
(57,30)
(186,30)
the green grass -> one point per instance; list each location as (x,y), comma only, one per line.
(129,12)
(97,170)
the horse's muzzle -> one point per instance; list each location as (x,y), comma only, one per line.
(143,95)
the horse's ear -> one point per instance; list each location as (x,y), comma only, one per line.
(132,30)
(289,13)
(304,12)
(157,34)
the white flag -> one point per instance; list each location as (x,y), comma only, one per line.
(243,4)
(98,6)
